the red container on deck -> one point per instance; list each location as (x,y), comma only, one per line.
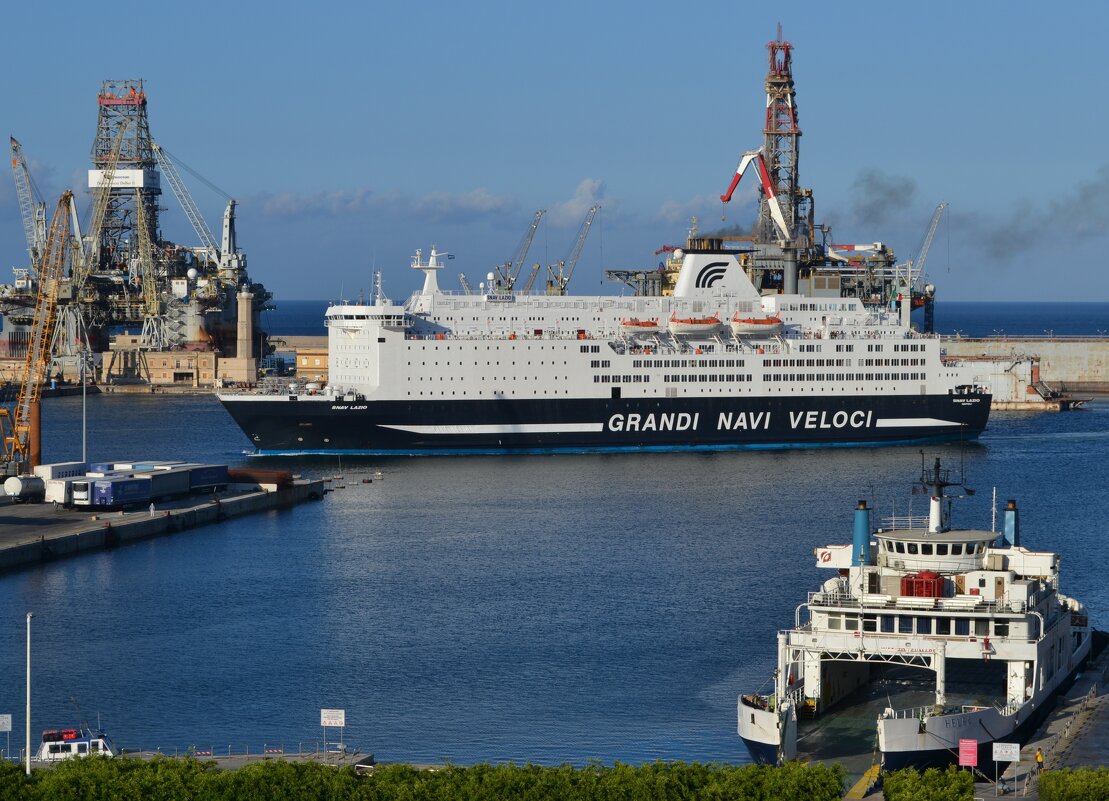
(926,584)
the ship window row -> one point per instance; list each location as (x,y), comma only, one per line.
(687,363)
(875,348)
(616,379)
(477,364)
(590,348)
(890,362)
(481,393)
(808,362)
(933,549)
(818,307)
(843,377)
(919,624)
(845,348)
(686,379)
(600,363)
(433,379)
(471,348)
(908,348)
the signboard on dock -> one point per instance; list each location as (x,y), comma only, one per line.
(333,718)
(1006,752)
(5,722)
(968,753)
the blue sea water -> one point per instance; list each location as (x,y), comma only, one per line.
(525,608)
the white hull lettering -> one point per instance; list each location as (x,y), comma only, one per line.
(665,421)
(841,419)
(743,421)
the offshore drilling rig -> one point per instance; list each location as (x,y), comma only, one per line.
(787,251)
(129,294)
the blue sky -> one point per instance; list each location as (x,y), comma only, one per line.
(351,134)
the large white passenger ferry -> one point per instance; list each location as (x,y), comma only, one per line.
(714,366)
(925,636)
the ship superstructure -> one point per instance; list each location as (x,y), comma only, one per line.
(715,365)
(941,634)
(786,250)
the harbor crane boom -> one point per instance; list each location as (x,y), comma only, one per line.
(564,270)
(186,201)
(531,279)
(31,208)
(745,161)
(510,271)
(20,432)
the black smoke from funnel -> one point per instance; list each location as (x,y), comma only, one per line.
(881,197)
(731,230)
(1081,215)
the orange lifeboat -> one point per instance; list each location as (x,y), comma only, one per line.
(756,326)
(694,325)
(635,326)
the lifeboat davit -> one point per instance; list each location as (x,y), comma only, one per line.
(634,326)
(694,325)
(756,326)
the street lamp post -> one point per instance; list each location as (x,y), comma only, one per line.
(29,616)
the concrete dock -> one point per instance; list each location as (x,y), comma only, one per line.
(32,533)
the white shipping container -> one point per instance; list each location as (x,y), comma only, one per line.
(61,470)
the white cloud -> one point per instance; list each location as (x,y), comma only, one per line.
(461,207)
(590,192)
(680,211)
(449,207)
(296,204)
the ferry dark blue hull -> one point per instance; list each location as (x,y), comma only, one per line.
(287,425)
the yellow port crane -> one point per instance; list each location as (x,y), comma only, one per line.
(21,433)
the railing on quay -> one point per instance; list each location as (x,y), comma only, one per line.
(304,749)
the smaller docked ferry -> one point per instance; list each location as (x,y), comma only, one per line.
(931,635)
(61,744)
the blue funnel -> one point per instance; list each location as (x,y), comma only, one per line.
(1010,537)
(860,551)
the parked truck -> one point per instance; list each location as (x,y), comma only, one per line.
(120,491)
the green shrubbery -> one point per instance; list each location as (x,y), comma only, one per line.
(952,784)
(1084,784)
(162,779)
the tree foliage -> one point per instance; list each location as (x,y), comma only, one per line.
(933,784)
(164,779)
(1083,784)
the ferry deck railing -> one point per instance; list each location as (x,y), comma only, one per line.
(954,603)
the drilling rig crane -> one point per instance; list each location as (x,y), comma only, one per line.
(755,156)
(31,207)
(20,432)
(917,267)
(187,203)
(91,252)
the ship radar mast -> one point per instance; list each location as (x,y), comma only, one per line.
(935,481)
